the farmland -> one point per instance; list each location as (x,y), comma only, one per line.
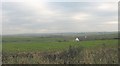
(44,48)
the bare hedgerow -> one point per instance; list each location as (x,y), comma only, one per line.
(72,55)
(64,57)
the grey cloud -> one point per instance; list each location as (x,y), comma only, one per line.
(23,19)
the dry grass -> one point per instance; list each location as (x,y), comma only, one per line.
(73,55)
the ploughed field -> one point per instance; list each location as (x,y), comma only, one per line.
(59,50)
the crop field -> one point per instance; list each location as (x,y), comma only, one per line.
(59,50)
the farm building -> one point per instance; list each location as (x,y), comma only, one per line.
(77,39)
(81,38)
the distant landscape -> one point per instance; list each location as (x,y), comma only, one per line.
(61,48)
(59,32)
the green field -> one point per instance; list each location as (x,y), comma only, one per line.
(49,44)
(60,49)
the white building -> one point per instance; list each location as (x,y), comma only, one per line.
(77,39)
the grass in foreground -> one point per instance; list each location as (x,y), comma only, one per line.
(72,55)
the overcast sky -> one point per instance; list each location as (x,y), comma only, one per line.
(58,17)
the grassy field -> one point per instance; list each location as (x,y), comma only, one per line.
(52,46)
(59,50)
